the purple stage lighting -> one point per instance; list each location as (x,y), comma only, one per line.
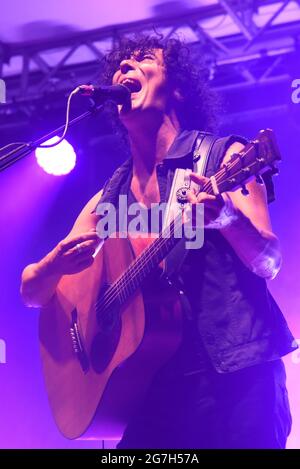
(59,160)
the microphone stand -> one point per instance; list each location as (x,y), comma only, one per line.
(26,149)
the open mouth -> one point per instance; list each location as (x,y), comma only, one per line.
(133,85)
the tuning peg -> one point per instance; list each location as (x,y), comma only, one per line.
(274,171)
(259,179)
(246,170)
(260,160)
(244,190)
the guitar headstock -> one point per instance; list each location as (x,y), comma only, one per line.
(257,157)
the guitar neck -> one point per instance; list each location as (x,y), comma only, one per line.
(143,265)
(150,258)
(254,159)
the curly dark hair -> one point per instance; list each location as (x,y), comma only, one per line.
(199,104)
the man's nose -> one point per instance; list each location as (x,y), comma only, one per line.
(126,65)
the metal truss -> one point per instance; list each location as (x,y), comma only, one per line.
(250,54)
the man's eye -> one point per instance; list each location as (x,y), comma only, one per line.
(146,56)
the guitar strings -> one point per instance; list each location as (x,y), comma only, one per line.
(138,264)
(141,261)
(122,282)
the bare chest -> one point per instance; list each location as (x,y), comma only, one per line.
(146,191)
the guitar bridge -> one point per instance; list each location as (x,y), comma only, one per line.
(77,343)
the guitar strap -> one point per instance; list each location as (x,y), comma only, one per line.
(181,182)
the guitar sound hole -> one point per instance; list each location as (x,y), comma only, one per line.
(106,340)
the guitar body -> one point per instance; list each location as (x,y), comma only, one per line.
(94,396)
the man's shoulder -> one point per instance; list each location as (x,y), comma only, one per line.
(89,207)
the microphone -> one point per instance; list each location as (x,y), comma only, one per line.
(120,94)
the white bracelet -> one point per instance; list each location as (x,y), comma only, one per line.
(267,263)
(227,216)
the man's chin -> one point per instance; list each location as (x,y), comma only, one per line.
(127,112)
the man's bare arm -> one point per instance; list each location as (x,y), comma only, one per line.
(39,280)
(251,233)
(249,230)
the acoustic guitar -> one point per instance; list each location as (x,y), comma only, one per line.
(108,329)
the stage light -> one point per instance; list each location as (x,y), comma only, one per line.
(57,160)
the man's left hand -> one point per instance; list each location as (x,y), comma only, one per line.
(218,209)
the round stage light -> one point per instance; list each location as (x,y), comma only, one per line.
(59,160)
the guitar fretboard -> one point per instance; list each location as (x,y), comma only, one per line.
(232,175)
(142,266)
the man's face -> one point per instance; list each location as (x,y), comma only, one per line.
(145,75)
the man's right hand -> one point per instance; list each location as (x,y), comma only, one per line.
(39,280)
(72,255)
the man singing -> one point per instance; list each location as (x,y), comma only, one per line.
(225,385)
